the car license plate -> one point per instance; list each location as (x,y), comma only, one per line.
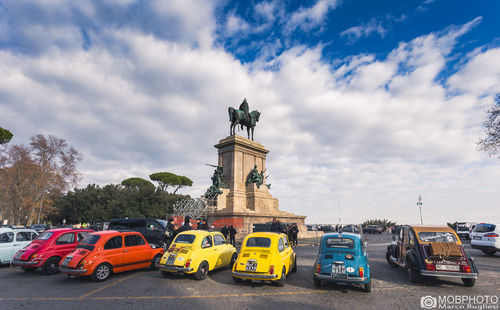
(448,267)
(66,260)
(171,259)
(477,238)
(338,269)
(251,266)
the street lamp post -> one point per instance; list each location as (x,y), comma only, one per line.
(419,204)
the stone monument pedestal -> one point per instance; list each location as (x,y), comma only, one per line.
(243,205)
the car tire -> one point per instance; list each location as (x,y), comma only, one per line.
(155,261)
(237,280)
(294,269)
(468,282)
(388,258)
(317,282)
(165,273)
(28,269)
(413,275)
(51,266)
(281,282)
(202,271)
(101,273)
(234,257)
(367,287)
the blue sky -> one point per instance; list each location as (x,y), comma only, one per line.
(366,104)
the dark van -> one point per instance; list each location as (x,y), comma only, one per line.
(152,230)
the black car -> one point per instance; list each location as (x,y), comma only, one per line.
(152,230)
(356,229)
(431,252)
(40,227)
(373,229)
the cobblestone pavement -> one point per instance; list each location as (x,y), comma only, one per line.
(150,290)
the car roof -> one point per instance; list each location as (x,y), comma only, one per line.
(198,233)
(7,229)
(419,228)
(266,234)
(335,234)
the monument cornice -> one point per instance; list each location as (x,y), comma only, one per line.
(240,143)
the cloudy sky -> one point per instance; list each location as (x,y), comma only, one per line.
(365,104)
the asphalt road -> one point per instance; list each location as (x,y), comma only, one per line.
(146,289)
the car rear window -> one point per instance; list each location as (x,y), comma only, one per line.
(90,239)
(437,236)
(339,243)
(484,228)
(44,236)
(185,238)
(260,242)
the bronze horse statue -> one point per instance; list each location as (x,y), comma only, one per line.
(238,117)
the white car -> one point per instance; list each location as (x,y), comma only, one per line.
(486,237)
(12,240)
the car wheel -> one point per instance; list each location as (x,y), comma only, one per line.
(468,282)
(155,261)
(237,280)
(202,271)
(281,282)
(165,273)
(233,260)
(28,269)
(367,287)
(389,260)
(51,266)
(101,273)
(317,282)
(294,269)
(413,275)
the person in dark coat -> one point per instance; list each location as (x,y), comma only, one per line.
(232,235)
(203,225)
(295,234)
(275,226)
(289,232)
(186,225)
(225,231)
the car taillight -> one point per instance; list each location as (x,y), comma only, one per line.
(466,268)
(271,269)
(491,235)
(430,266)
(188,262)
(361,272)
(318,268)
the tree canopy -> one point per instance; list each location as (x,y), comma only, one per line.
(5,135)
(138,184)
(168,179)
(382,222)
(491,143)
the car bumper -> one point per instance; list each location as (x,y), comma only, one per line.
(253,276)
(340,280)
(22,263)
(72,270)
(428,273)
(174,268)
(485,246)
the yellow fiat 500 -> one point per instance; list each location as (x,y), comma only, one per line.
(265,256)
(197,252)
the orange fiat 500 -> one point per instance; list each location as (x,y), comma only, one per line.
(103,253)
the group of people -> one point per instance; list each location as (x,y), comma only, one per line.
(291,230)
(202,224)
(231,231)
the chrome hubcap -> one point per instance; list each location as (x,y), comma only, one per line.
(102,272)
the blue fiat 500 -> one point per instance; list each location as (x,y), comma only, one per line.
(342,258)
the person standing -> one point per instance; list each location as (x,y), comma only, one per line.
(295,234)
(275,226)
(186,225)
(224,231)
(203,225)
(232,235)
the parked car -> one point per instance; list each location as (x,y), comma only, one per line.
(356,229)
(432,252)
(463,228)
(103,253)
(342,258)
(197,252)
(471,229)
(486,237)
(12,240)
(40,227)
(265,256)
(373,229)
(152,230)
(47,250)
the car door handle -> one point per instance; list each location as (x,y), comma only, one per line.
(125,250)
(16,244)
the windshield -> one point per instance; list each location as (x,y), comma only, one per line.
(484,228)
(259,242)
(185,238)
(90,239)
(437,236)
(163,223)
(339,243)
(44,236)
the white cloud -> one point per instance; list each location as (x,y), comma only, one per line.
(309,18)
(364,30)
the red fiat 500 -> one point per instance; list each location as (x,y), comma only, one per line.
(47,250)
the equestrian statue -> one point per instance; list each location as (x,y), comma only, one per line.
(243,118)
